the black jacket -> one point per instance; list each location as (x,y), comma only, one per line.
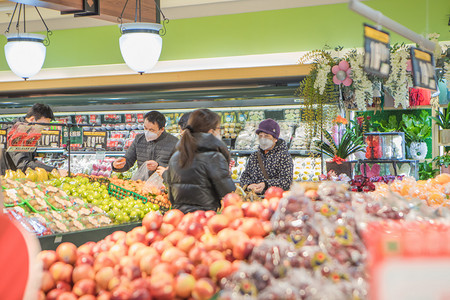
(159,150)
(203,184)
(20,160)
(278,164)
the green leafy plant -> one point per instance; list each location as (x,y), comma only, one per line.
(442,160)
(426,171)
(443,120)
(348,145)
(390,125)
(416,128)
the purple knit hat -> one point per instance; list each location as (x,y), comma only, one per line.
(269,126)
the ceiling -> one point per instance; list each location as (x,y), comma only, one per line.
(173,9)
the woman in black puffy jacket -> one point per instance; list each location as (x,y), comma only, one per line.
(198,175)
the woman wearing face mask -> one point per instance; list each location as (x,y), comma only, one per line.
(198,176)
(272,164)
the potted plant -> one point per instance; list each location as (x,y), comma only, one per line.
(417,129)
(443,121)
(443,161)
(340,150)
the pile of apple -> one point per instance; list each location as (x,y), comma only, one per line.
(175,256)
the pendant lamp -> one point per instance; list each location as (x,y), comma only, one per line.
(141,43)
(25,52)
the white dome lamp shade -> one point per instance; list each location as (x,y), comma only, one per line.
(25,53)
(140,45)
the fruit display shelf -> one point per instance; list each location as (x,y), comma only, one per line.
(78,238)
(120,193)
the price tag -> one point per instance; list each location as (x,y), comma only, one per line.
(50,139)
(58,239)
(94,119)
(140,118)
(423,69)
(100,155)
(94,139)
(75,135)
(2,139)
(377,53)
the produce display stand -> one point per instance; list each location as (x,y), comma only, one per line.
(50,242)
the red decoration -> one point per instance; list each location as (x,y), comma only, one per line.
(338,160)
(373,150)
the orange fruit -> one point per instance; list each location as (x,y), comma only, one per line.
(442,179)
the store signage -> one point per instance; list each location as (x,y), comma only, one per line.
(140,118)
(50,139)
(130,118)
(75,135)
(112,118)
(94,139)
(423,69)
(377,51)
(23,137)
(2,138)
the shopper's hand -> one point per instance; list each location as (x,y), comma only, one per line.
(119,163)
(151,165)
(63,173)
(160,170)
(260,187)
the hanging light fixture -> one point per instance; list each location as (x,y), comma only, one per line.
(141,43)
(25,52)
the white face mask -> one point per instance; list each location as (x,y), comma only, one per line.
(150,136)
(265,143)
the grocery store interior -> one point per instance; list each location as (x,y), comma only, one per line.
(349,201)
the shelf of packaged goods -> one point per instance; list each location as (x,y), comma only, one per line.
(292,152)
(50,242)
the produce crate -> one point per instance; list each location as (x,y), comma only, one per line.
(120,193)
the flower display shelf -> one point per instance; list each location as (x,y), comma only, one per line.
(394,167)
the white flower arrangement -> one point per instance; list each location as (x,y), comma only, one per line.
(362,84)
(322,73)
(399,82)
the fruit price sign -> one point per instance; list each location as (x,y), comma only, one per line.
(377,51)
(409,260)
(94,139)
(423,69)
(50,139)
(2,138)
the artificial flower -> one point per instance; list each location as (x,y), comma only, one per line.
(338,160)
(399,82)
(340,120)
(323,69)
(342,73)
(361,83)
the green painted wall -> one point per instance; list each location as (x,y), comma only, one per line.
(276,31)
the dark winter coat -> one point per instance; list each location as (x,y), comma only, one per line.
(203,184)
(159,150)
(278,164)
(20,160)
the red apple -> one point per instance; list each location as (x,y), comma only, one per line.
(117,235)
(220,269)
(83,272)
(148,262)
(243,249)
(67,252)
(267,225)
(187,220)
(152,220)
(87,297)
(173,217)
(253,227)
(137,235)
(133,249)
(186,243)
(41,296)
(140,294)
(163,268)
(266,214)
(139,283)
(166,229)
(67,296)
(218,222)
(254,210)
(236,224)
(274,192)
(184,284)
(114,283)
(131,272)
(103,276)
(200,271)
(63,286)
(103,260)
(209,214)
(212,256)
(53,294)
(145,251)
(174,237)
(162,287)
(204,289)
(120,293)
(61,271)
(86,248)
(171,254)
(273,203)
(211,242)
(161,246)
(200,217)
(152,236)
(233,212)
(195,229)
(231,199)
(104,295)
(84,287)
(226,237)
(183,265)
(196,253)
(47,282)
(84,259)
(48,258)
(127,261)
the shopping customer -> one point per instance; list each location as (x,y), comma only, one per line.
(153,148)
(198,175)
(38,113)
(271,164)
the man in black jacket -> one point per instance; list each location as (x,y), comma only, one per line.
(153,148)
(38,113)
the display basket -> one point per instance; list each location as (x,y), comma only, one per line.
(120,193)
